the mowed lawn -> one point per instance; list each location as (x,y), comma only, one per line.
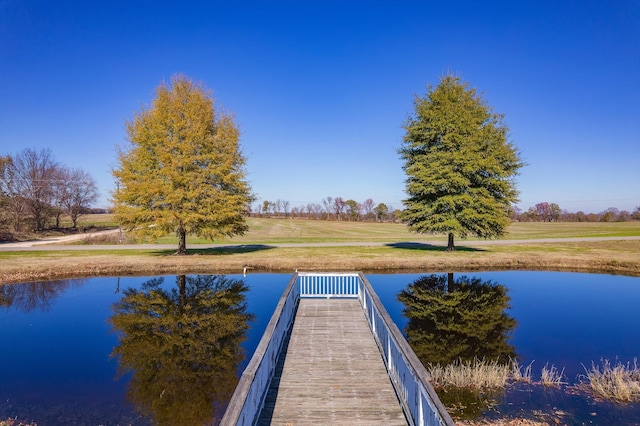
(264,230)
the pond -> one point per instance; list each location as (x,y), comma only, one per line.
(545,319)
(140,350)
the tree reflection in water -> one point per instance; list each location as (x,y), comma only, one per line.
(35,295)
(452,320)
(182,347)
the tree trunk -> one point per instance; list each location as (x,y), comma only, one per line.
(182,289)
(450,283)
(450,246)
(74,218)
(182,241)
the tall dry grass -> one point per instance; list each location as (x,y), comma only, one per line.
(477,374)
(551,376)
(620,382)
(521,373)
(482,374)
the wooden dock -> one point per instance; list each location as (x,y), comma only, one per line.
(332,371)
(332,355)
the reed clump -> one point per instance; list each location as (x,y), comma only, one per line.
(620,382)
(476,373)
(482,374)
(551,376)
(521,373)
(16,422)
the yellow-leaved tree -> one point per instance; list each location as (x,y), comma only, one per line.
(184,170)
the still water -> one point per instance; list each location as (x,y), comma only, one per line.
(143,350)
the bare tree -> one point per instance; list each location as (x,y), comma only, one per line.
(318,211)
(339,207)
(14,203)
(60,187)
(37,187)
(328,205)
(4,199)
(81,193)
(545,211)
(515,212)
(368,207)
(624,216)
(36,171)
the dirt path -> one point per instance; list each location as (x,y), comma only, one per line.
(65,243)
(55,243)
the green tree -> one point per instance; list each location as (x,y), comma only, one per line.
(353,209)
(381,211)
(459,164)
(184,171)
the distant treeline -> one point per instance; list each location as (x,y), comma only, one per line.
(350,210)
(551,212)
(329,209)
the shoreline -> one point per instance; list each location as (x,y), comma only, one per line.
(619,257)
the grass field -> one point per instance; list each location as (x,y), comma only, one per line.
(265,231)
(316,231)
(90,220)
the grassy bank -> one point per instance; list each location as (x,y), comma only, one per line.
(620,257)
(406,252)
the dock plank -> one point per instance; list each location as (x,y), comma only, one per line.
(332,371)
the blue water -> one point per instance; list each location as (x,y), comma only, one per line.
(56,341)
(564,319)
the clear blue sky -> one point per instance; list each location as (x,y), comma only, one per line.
(321,89)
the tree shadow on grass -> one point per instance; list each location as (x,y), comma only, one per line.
(428,247)
(219,250)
